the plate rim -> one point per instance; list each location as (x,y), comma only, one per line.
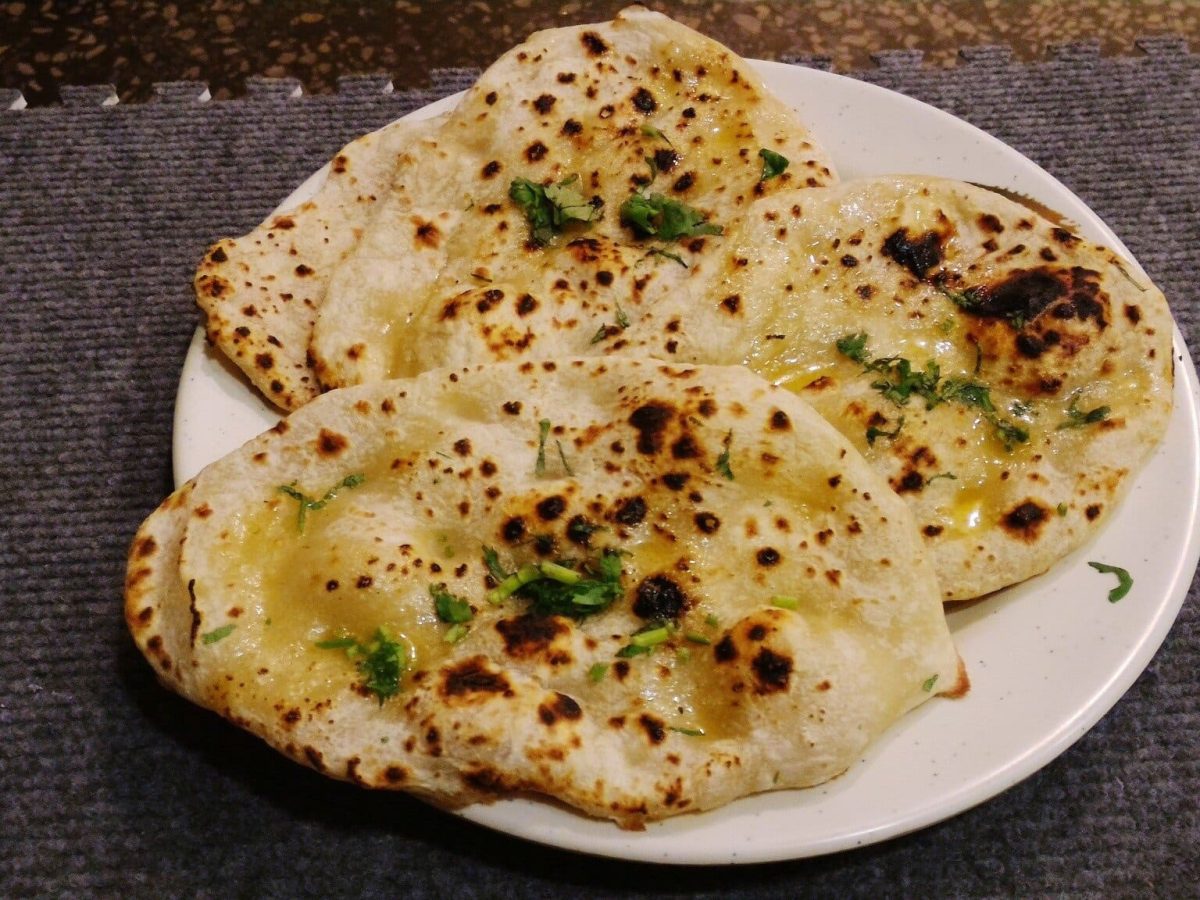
(643,846)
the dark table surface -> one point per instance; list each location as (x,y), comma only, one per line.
(111,786)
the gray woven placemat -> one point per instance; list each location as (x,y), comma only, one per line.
(111,786)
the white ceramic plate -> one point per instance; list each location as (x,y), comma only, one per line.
(1047,658)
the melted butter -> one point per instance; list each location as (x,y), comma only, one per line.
(284,583)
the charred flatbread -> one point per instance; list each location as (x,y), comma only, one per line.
(641,589)
(260,292)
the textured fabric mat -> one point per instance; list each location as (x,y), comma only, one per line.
(111,786)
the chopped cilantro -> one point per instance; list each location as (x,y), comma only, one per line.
(929,683)
(491,559)
(562,456)
(1078,418)
(683,654)
(306,502)
(659,216)
(696,638)
(722,464)
(900,382)
(1124,580)
(874,432)
(456,632)
(539,467)
(549,208)
(712,621)
(666,254)
(580,530)
(785,602)
(651,132)
(217,634)
(1061,509)
(690,732)
(854,346)
(449,607)
(631,650)
(559,589)
(381,662)
(949,476)
(773,164)
(597,672)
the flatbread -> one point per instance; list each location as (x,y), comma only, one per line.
(798,616)
(935,271)
(260,293)
(641,103)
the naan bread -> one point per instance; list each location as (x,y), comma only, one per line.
(721,494)
(1069,346)
(260,292)
(640,103)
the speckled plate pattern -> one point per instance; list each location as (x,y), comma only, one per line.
(1047,658)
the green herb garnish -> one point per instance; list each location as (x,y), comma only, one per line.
(491,559)
(949,476)
(549,208)
(651,132)
(929,683)
(1061,509)
(217,634)
(666,254)
(773,164)
(381,662)
(450,608)
(785,602)
(854,346)
(696,638)
(722,464)
(562,457)
(1124,580)
(690,732)
(456,632)
(712,621)
(1078,418)
(559,589)
(659,216)
(874,432)
(597,672)
(306,502)
(539,467)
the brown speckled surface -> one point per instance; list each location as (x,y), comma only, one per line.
(133,43)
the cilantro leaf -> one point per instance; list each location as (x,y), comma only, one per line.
(306,502)
(854,346)
(722,464)
(539,467)
(1124,580)
(666,254)
(874,433)
(662,217)
(773,163)
(1078,418)
(491,559)
(382,662)
(548,208)
(450,608)
(554,589)
(218,634)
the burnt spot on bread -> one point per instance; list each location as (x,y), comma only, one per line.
(551,508)
(512,407)
(676,480)
(630,511)
(330,443)
(767,557)
(1093,511)
(780,421)
(684,182)
(529,636)
(593,43)
(427,233)
(513,530)
(491,169)
(654,727)
(732,303)
(561,707)
(932,531)
(685,448)
(909,482)
(1025,520)
(571,127)
(665,159)
(218,255)
(989,223)
(526,304)
(771,671)
(536,151)
(707,522)
(659,597)
(725,650)
(650,420)
(544,103)
(644,101)
(917,254)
